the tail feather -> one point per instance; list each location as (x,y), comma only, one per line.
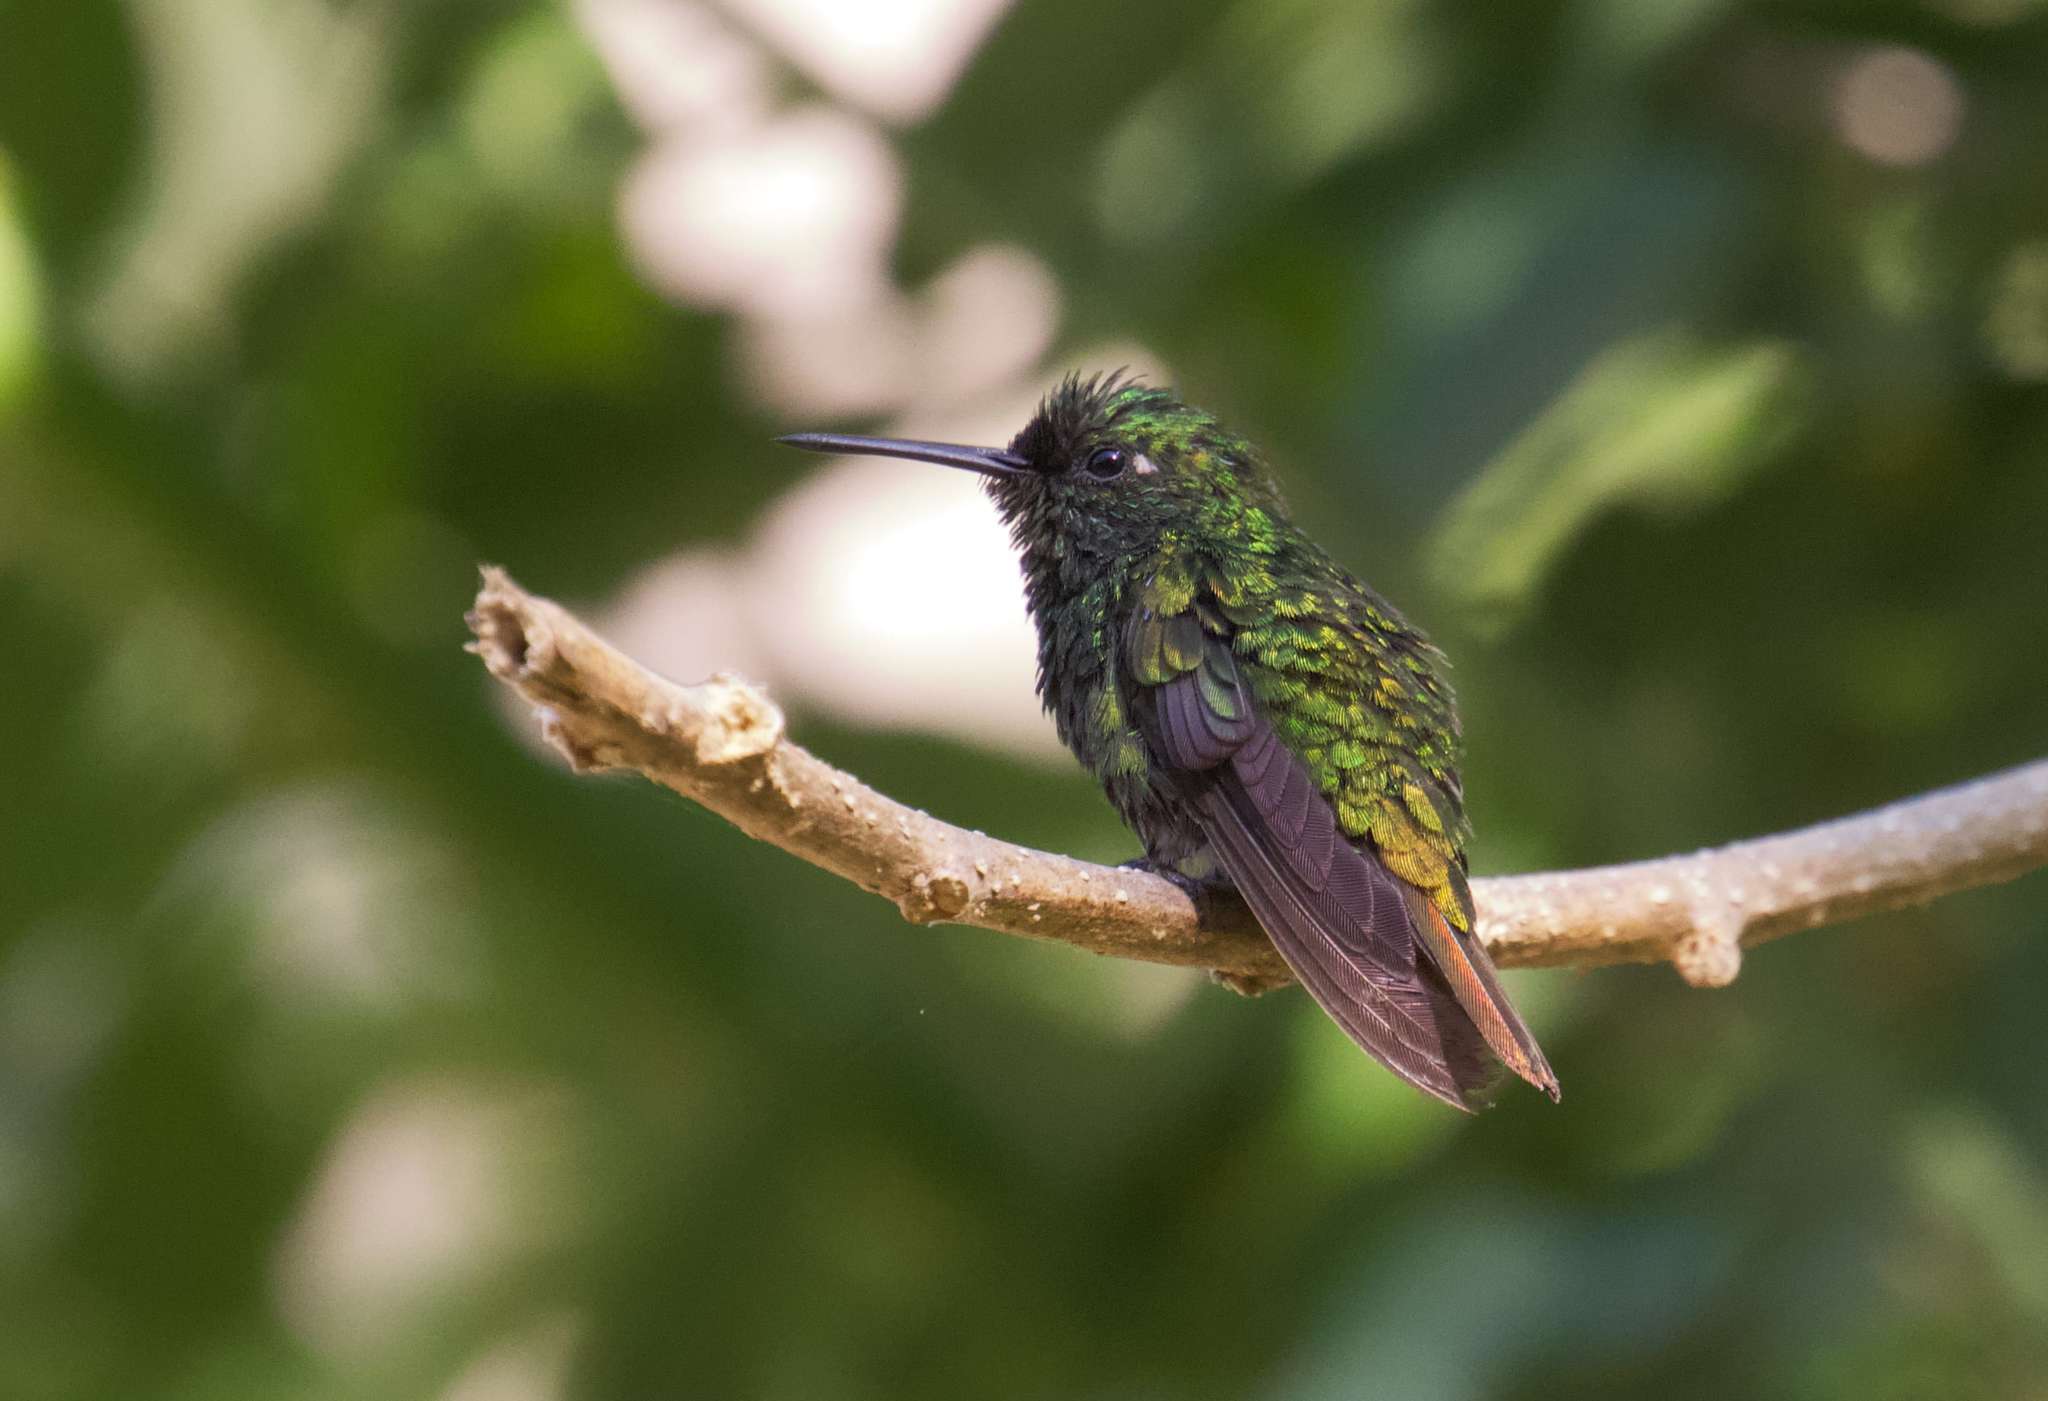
(1470,976)
(1335,939)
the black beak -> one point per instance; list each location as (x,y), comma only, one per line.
(990,462)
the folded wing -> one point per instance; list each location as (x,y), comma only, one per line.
(1370,949)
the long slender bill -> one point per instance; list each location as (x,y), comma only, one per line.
(990,462)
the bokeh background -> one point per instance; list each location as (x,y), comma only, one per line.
(1682,366)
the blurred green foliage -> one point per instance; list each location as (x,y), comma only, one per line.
(1713,448)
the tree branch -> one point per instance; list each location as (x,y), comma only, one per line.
(722,745)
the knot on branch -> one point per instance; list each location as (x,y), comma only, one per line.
(1710,954)
(935,896)
(736,722)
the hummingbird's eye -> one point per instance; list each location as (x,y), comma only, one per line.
(1104,463)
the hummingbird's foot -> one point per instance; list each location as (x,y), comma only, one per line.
(1203,890)
(1246,984)
(1200,889)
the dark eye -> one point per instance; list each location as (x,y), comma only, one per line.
(1104,463)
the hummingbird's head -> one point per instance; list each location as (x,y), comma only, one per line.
(1105,468)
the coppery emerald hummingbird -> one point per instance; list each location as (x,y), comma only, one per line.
(1258,716)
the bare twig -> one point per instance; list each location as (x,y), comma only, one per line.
(722,744)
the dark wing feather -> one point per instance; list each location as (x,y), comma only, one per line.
(1339,917)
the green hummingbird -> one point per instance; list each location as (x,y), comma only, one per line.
(1259,717)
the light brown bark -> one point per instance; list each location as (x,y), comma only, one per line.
(722,744)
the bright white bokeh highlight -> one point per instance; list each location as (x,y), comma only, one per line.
(789,218)
(888,592)
(675,64)
(1898,106)
(895,58)
(532,1365)
(432,1186)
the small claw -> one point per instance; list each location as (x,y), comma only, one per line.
(1246,984)
(1197,888)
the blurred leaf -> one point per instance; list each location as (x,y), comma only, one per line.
(1974,1173)
(19,311)
(1659,422)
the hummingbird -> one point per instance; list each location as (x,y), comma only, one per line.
(1258,717)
